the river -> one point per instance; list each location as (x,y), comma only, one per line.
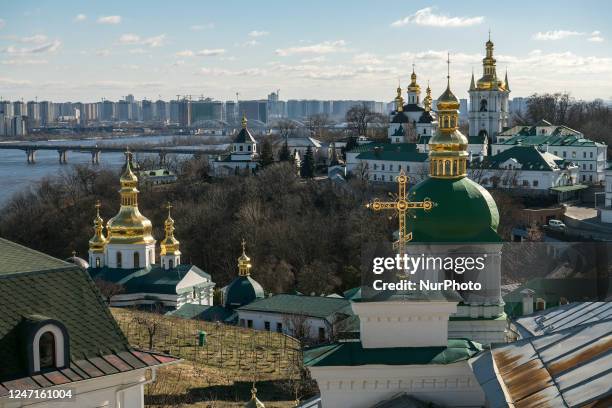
(16,174)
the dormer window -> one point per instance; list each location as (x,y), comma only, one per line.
(46,350)
(48,343)
(241,148)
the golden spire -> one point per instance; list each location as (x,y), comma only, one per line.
(413,87)
(472,82)
(254,402)
(169,245)
(244,262)
(129,226)
(244,121)
(427,100)
(448,147)
(97,242)
(506,84)
(489,80)
(399,101)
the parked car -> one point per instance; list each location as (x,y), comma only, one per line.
(556,224)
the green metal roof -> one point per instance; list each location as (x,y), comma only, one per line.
(241,291)
(529,157)
(32,283)
(563,189)
(394,152)
(313,306)
(554,136)
(464,211)
(352,353)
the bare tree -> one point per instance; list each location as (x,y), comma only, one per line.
(316,123)
(151,322)
(108,289)
(285,127)
(299,325)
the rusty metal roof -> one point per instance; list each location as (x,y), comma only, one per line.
(563,317)
(571,367)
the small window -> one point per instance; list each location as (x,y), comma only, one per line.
(250,324)
(118,259)
(279,327)
(573,155)
(97,262)
(321,333)
(564,154)
(170,264)
(535,183)
(584,155)
(267,326)
(382,177)
(591,155)
(241,148)
(249,146)
(382,167)
(242,324)
(136,260)
(46,350)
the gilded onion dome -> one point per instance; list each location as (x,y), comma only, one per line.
(489,80)
(254,402)
(448,147)
(399,101)
(413,87)
(129,226)
(244,262)
(169,245)
(98,240)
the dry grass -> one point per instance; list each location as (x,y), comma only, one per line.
(220,373)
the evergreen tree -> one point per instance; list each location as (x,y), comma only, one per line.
(334,156)
(266,157)
(308,164)
(351,143)
(284,154)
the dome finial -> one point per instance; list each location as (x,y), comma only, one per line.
(244,262)
(254,402)
(244,120)
(448,70)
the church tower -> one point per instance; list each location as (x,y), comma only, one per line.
(414,90)
(97,242)
(130,244)
(399,121)
(169,247)
(488,113)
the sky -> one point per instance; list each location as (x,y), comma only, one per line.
(360,49)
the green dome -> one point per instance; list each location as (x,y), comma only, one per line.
(242,291)
(465,212)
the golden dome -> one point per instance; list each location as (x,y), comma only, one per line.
(413,87)
(254,402)
(489,80)
(399,101)
(129,226)
(169,245)
(98,240)
(448,147)
(244,262)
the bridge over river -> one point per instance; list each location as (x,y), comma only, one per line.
(30,148)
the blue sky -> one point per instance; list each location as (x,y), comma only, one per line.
(77,50)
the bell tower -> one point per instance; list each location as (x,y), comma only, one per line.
(488,114)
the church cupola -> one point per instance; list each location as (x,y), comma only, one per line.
(97,241)
(427,100)
(399,101)
(244,146)
(414,90)
(169,247)
(448,147)
(244,262)
(130,243)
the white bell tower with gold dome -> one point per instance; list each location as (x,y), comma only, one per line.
(130,243)
(97,242)
(488,99)
(169,247)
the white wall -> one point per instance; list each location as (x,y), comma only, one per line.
(259,319)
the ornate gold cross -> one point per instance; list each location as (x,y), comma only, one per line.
(401,205)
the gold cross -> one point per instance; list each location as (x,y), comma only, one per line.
(401,205)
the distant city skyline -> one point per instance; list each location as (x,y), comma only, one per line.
(73,51)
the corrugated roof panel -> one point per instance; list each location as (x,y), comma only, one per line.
(591,390)
(583,374)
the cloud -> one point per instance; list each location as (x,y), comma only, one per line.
(2,24)
(202,53)
(35,39)
(9,82)
(595,37)
(79,18)
(427,17)
(325,47)
(555,35)
(109,20)
(250,43)
(24,62)
(227,72)
(105,52)
(313,60)
(133,39)
(138,51)
(47,47)
(256,33)
(366,58)
(200,27)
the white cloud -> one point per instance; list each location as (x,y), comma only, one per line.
(105,52)
(256,33)
(80,17)
(2,24)
(427,17)
(596,37)
(47,47)
(250,43)
(24,62)
(555,35)
(325,47)
(313,60)
(200,27)
(202,53)
(138,51)
(109,20)
(9,82)
(227,72)
(133,39)
(366,58)
(34,39)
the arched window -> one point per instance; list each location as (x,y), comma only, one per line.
(483,105)
(136,259)
(46,350)
(97,262)
(447,168)
(118,259)
(170,264)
